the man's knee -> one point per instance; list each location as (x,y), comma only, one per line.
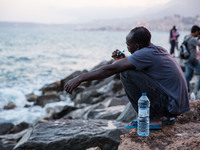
(131,72)
(131,75)
(135,78)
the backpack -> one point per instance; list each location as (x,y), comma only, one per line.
(184,52)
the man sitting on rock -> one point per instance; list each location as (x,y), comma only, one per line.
(149,69)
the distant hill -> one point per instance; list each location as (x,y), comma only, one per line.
(34,25)
(182,7)
(183,13)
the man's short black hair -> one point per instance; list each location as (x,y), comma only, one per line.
(141,36)
(195,28)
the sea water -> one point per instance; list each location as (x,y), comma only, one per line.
(32,57)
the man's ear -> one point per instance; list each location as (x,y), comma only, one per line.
(137,46)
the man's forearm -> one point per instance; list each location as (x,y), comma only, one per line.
(98,74)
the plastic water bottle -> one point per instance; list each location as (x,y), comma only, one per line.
(143,115)
(192,96)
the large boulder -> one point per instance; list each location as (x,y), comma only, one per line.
(74,135)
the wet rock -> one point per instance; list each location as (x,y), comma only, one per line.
(115,101)
(31,97)
(109,113)
(10,105)
(53,109)
(27,106)
(111,86)
(98,99)
(128,115)
(76,91)
(71,76)
(50,93)
(66,109)
(19,127)
(45,99)
(74,134)
(8,141)
(98,92)
(5,128)
(56,86)
(86,96)
(84,112)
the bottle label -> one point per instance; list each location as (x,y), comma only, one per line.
(143,112)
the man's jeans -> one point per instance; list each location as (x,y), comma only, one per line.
(135,83)
(189,71)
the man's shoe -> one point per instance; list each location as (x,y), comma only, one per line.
(133,125)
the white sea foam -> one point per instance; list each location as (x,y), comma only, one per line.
(19,115)
(31,114)
(11,95)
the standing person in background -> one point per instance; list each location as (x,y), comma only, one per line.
(172,40)
(192,63)
(177,36)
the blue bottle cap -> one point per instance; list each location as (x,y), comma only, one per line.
(144,94)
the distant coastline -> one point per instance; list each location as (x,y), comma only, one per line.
(161,24)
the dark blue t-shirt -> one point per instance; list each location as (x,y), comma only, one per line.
(160,66)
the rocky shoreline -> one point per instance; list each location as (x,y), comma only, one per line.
(96,121)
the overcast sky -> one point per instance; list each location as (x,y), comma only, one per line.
(71,11)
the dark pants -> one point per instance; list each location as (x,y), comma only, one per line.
(135,83)
(173,44)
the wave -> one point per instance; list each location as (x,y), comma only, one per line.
(19,115)
(12,95)
(26,59)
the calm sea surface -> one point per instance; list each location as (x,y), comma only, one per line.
(32,57)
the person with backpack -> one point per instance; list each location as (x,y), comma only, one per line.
(192,63)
